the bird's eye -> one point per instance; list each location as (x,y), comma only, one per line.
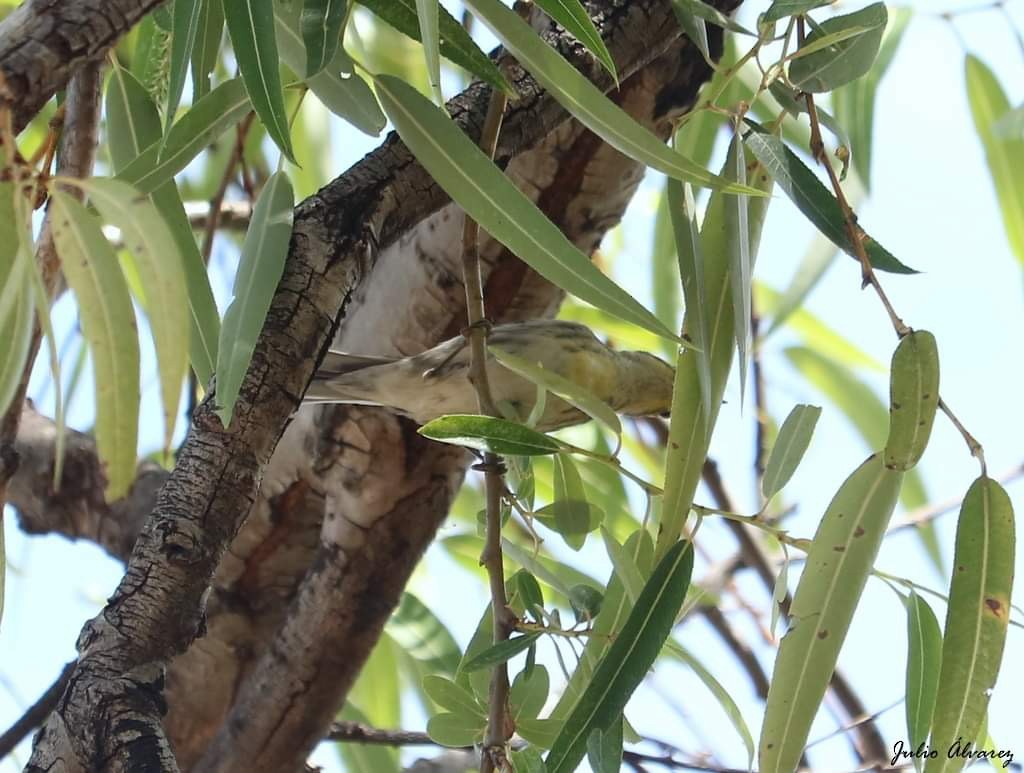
(666,415)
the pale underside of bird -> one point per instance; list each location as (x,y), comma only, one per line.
(435,382)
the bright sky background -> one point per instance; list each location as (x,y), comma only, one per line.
(934,208)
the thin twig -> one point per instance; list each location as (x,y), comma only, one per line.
(357,732)
(217,200)
(499,721)
(36,713)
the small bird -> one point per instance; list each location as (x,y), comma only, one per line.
(435,382)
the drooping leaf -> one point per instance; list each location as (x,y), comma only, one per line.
(206,50)
(134,124)
(207,119)
(838,564)
(456,44)
(489,434)
(815,201)
(1005,155)
(342,91)
(924,660)
(976,618)
(570,514)
(108,325)
(574,17)
(321,32)
(476,184)
(251,27)
(845,60)
(790,446)
(183,38)
(161,272)
(741,269)
(500,652)
(586,102)
(17,304)
(427,14)
(780,9)
(709,13)
(913,399)
(259,271)
(627,660)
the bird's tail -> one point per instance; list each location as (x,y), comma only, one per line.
(331,382)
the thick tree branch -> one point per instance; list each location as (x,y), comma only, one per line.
(42,42)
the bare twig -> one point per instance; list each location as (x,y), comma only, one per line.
(357,732)
(217,200)
(36,713)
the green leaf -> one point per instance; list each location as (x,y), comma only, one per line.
(570,514)
(529,693)
(790,446)
(448,695)
(624,565)
(17,305)
(108,325)
(347,96)
(854,103)
(455,730)
(976,618)
(665,283)
(837,568)
(529,591)
(183,39)
(427,15)
(159,264)
(702,10)
(421,635)
(133,124)
(574,17)
(604,749)
(456,45)
(251,27)
(683,213)
(845,60)
(1005,155)
(913,399)
(573,393)
(742,264)
(539,732)
(207,119)
(586,102)
(259,271)
(206,50)
(490,198)
(815,201)
(489,434)
(789,99)
(321,32)
(527,760)
(501,652)
(780,9)
(627,661)
(924,660)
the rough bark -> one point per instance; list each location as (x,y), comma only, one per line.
(42,42)
(109,718)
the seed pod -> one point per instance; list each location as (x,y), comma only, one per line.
(913,399)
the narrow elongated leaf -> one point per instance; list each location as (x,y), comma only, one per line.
(845,60)
(17,305)
(976,619)
(627,660)
(913,399)
(572,392)
(815,201)
(790,445)
(259,270)
(321,32)
(833,579)
(586,102)
(207,119)
(702,10)
(476,184)
(206,50)
(574,17)
(854,103)
(500,652)
(604,749)
(741,269)
(134,124)
(108,325)
(251,27)
(346,95)
(666,285)
(421,635)
(427,14)
(683,213)
(574,517)
(1005,155)
(489,434)
(456,45)
(924,660)
(183,39)
(160,269)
